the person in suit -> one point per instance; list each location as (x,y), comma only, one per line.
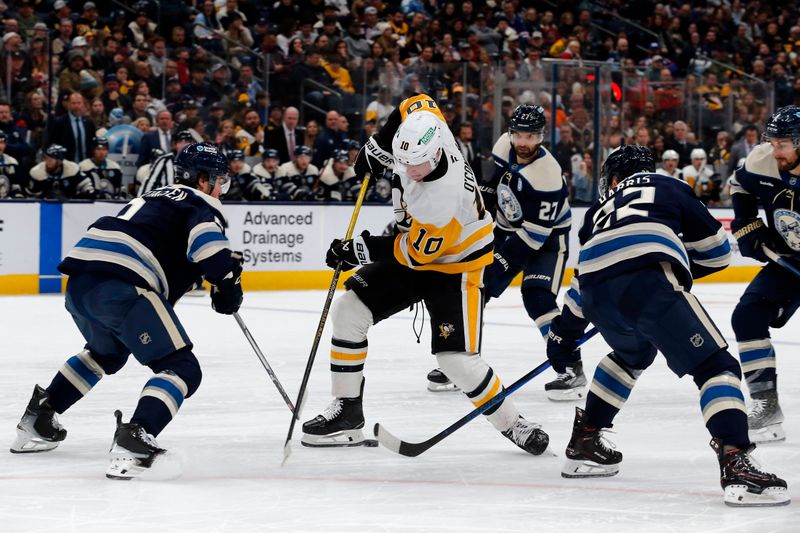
(73,130)
(468,150)
(742,148)
(160,137)
(286,137)
(680,143)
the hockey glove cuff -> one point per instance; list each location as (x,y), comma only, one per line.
(561,342)
(227,296)
(751,234)
(372,158)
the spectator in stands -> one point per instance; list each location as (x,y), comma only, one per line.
(311,69)
(250,134)
(464,140)
(680,142)
(719,157)
(73,130)
(160,137)
(583,180)
(565,150)
(311,133)
(329,139)
(743,147)
(142,29)
(287,136)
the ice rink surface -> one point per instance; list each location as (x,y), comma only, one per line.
(229,437)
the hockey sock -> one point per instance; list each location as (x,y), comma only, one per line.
(724,412)
(758,363)
(159,402)
(351,320)
(541,307)
(76,378)
(719,379)
(611,386)
(480,384)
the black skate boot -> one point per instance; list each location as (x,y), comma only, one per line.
(745,485)
(38,430)
(339,425)
(589,454)
(439,382)
(569,386)
(528,435)
(132,452)
(765,417)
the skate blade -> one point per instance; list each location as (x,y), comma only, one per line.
(443,387)
(574,468)
(27,443)
(166,466)
(343,439)
(738,496)
(773,433)
(566,395)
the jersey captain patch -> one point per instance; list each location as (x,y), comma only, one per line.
(788,225)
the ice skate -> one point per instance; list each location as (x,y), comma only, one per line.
(133,451)
(765,417)
(744,483)
(339,425)
(528,436)
(38,430)
(568,386)
(589,454)
(439,382)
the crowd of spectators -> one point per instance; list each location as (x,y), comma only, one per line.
(299,84)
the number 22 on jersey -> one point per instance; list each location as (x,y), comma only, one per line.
(627,202)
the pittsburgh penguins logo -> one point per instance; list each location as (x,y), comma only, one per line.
(445,330)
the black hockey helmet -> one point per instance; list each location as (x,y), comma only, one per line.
(183,135)
(625,161)
(303,150)
(271,153)
(784,124)
(56,151)
(527,118)
(235,155)
(198,159)
(341,155)
(100,140)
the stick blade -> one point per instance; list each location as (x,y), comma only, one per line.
(390,442)
(287,451)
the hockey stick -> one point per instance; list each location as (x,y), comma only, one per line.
(413,449)
(775,258)
(263,360)
(301,394)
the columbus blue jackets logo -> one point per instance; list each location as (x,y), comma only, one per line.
(508,203)
(788,225)
(445,330)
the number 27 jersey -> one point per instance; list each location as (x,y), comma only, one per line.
(647,219)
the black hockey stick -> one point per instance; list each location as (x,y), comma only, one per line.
(301,394)
(775,258)
(413,449)
(263,360)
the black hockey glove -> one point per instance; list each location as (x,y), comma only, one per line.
(372,158)
(227,296)
(751,234)
(561,350)
(352,253)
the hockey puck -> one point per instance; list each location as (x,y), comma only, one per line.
(370,443)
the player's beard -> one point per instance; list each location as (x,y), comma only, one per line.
(525,152)
(785,165)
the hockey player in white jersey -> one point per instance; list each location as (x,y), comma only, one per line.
(295,179)
(268,168)
(104,172)
(529,199)
(9,172)
(443,244)
(669,165)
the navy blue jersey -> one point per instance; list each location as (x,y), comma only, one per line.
(646,219)
(759,182)
(163,241)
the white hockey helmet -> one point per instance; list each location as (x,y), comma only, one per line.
(698,153)
(670,155)
(418,139)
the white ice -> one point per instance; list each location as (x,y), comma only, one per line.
(230,436)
